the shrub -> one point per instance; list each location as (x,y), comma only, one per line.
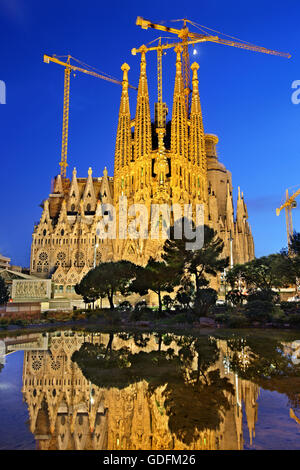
(236,321)
(124,306)
(278,316)
(221,317)
(4,322)
(290,307)
(294,320)
(19,322)
(183,318)
(139,306)
(78,315)
(141,311)
(264,295)
(100,312)
(112,317)
(206,298)
(259,310)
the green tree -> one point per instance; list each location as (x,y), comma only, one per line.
(88,291)
(294,244)
(155,276)
(167,301)
(4,294)
(107,279)
(259,273)
(197,264)
(205,299)
(288,264)
(236,297)
(184,298)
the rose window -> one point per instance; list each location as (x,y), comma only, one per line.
(43,256)
(55,365)
(36,364)
(61,259)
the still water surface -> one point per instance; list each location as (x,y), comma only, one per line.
(93,390)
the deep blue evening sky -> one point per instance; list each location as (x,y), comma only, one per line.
(245,96)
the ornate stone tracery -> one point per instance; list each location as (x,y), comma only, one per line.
(187,170)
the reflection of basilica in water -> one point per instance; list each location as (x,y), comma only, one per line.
(67,411)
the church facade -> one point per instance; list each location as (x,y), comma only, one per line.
(173,163)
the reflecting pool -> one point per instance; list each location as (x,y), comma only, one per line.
(230,390)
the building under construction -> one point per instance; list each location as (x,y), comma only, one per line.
(165,161)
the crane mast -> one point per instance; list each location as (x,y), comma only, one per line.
(288,205)
(65,124)
(160,107)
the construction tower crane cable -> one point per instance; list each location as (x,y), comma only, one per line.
(186,35)
(65,126)
(161,107)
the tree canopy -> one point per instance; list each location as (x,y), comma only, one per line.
(260,273)
(157,277)
(107,279)
(196,264)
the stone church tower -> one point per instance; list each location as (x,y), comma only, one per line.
(172,163)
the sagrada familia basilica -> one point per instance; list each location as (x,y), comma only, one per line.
(172,162)
(67,411)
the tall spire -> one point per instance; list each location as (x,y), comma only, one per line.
(123,140)
(179,119)
(142,130)
(89,197)
(73,193)
(197,153)
(240,212)
(58,185)
(197,141)
(229,209)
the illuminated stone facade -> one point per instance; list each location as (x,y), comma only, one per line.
(67,411)
(176,164)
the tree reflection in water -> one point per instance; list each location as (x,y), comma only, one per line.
(132,390)
(184,384)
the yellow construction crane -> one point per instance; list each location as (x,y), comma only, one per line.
(186,35)
(160,106)
(65,127)
(288,205)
